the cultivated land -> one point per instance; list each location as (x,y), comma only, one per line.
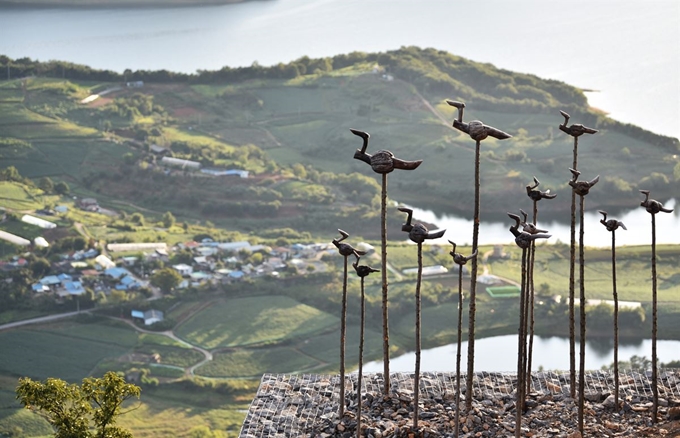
(291,133)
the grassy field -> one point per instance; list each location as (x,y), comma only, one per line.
(633,271)
(253,321)
(16,421)
(252,363)
(183,410)
(19,197)
(68,350)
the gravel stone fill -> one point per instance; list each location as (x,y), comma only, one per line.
(307,406)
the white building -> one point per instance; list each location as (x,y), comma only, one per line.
(183,270)
(178,162)
(13,238)
(42,223)
(141,246)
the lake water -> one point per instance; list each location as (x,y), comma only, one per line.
(638,222)
(499,353)
(628,51)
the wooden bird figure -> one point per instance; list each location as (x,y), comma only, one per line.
(522,238)
(459,258)
(537,195)
(575,130)
(363,270)
(653,206)
(345,249)
(475,129)
(418,232)
(528,227)
(581,187)
(382,161)
(611,224)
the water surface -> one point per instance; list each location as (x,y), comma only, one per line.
(627,50)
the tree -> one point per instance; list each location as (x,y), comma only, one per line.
(89,410)
(166,279)
(168,219)
(10,173)
(137,219)
(40,267)
(62,188)
(46,185)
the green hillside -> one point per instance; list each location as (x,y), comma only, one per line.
(291,123)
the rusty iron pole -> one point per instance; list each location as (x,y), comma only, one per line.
(535,195)
(653,207)
(418,233)
(383,162)
(478,132)
(612,225)
(581,188)
(345,250)
(362,271)
(460,260)
(524,240)
(575,130)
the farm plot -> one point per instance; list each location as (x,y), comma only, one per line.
(52,355)
(253,321)
(255,362)
(67,351)
(326,347)
(17,196)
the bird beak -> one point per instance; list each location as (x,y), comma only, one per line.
(361,154)
(460,106)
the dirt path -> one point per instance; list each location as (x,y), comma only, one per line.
(207,356)
(41,319)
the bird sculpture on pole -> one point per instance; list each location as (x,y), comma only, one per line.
(575,130)
(535,195)
(524,240)
(362,271)
(460,260)
(383,162)
(418,233)
(653,207)
(581,188)
(478,131)
(345,250)
(612,225)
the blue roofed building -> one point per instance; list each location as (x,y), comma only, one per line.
(116,272)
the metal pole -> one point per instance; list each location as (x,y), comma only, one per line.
(460,329)
(530,273)
(572,263)
(616,323)
(655,387)
(519,402)
(343,331)
(473,289)
(361,358)
(416,382)
(582,349)
(386,331)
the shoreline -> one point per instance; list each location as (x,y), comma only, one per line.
(113,4)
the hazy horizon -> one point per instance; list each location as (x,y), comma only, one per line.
(628,52)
